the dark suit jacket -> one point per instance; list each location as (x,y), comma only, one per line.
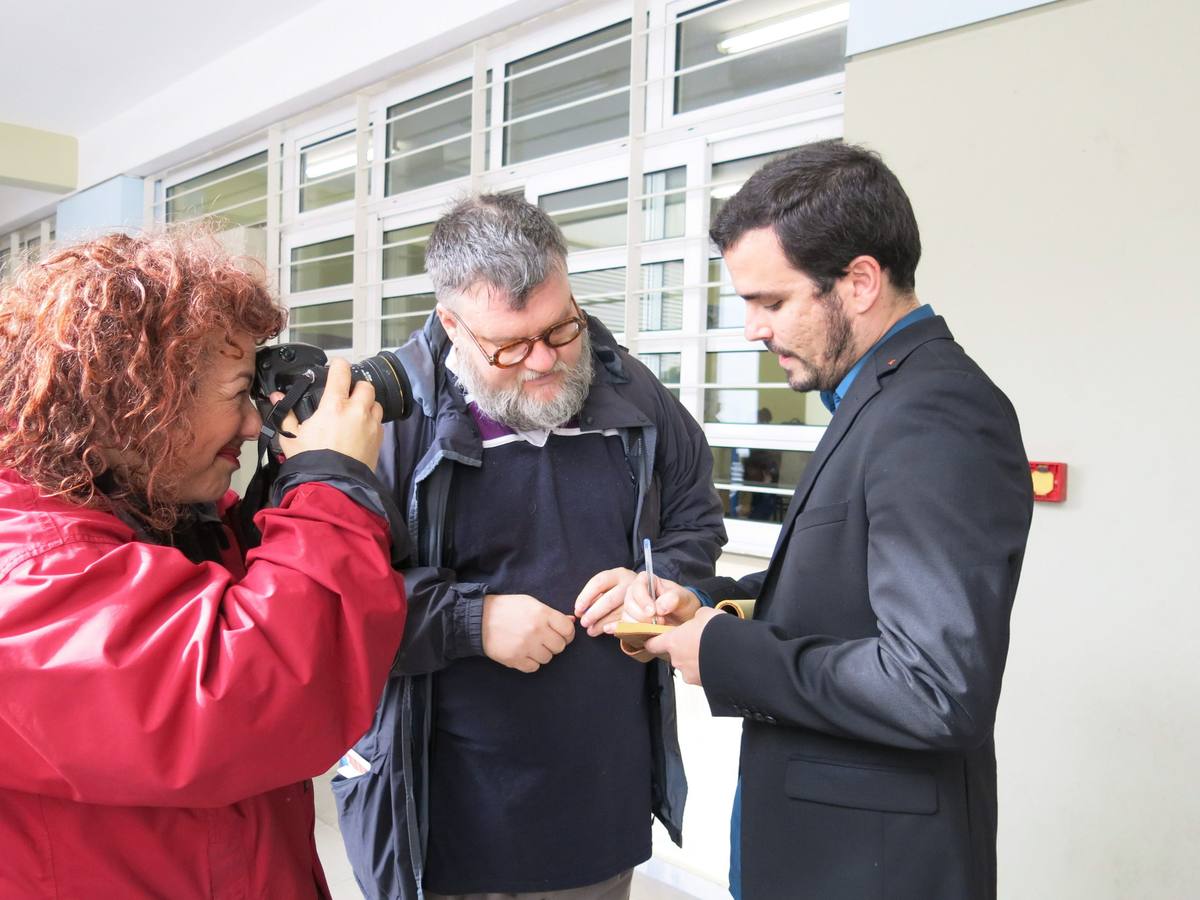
(869,676)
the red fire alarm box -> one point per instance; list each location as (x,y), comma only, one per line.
(1049,481)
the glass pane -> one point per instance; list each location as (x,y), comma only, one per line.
(662,310)
(664,215)
(330,164)
(4,254)
(597,226)
(601,293)
(236,193)
(665,366)
(747,478)
(322,272)
(814,44)
(407,135)
(745,404)
(735,172)
(409,258)
(594,216)
(725,308)
(326,325)
(404,315)
(588,123)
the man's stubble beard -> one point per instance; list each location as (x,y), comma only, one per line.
(826,375)
(513,407)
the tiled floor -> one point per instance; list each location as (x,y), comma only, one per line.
(341,878)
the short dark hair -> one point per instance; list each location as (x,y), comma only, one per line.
(828,203)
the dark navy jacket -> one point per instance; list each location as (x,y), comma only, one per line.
(383,813)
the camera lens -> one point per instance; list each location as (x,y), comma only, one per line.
(392,389)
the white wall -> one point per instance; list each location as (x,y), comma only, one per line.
(1051,159)
(879,23)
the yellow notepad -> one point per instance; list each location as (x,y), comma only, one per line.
(635,634)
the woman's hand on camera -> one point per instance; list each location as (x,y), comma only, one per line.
(349,422)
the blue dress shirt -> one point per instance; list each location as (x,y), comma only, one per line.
(832,399)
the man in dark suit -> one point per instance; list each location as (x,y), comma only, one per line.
(869,674)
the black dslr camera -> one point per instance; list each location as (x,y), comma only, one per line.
(299,372)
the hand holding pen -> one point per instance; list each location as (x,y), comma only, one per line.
(652,598)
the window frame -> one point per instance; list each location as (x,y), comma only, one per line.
(762,103)
(227,156)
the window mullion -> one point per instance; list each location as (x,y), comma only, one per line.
(479,133)
(274,180)
(362,135)
(635,174)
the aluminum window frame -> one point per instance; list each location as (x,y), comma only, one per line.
(764,103)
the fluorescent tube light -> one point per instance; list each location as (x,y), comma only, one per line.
(808,23)
(330,164)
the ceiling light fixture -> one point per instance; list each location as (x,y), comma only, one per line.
(773,32)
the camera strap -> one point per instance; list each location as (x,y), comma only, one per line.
(258,491)
(272,423)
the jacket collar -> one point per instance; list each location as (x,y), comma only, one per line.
(888,359)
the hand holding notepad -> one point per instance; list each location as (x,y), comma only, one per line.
(653,606)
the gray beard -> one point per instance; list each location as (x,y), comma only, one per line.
(512,407)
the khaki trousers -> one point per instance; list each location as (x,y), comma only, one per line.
(615,888)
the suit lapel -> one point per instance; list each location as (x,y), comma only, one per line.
(839,426)
(887,359)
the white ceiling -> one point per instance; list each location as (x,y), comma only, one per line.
(67,65)
(16,203)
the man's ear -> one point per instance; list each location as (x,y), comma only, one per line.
(447,319)
(862,285)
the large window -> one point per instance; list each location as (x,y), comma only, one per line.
(403,315)
(404,250)
(726,51)
(320,277)
(755,483)
(594,216)
(429,138)
(327,171)
(26,244)
(568,96)
(329,326)
(235,193)
(322,264)
(748,387)
(601,292)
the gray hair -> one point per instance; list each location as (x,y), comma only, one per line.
(498,240)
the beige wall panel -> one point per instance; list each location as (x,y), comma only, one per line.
(40,160)
(1051,158)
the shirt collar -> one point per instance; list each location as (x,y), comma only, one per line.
(832,399)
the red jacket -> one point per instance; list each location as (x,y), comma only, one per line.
(160,719)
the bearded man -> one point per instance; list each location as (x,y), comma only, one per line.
(510,755)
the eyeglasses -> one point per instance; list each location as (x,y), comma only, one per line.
(557,335)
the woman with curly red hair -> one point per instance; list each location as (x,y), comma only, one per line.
(164,695)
